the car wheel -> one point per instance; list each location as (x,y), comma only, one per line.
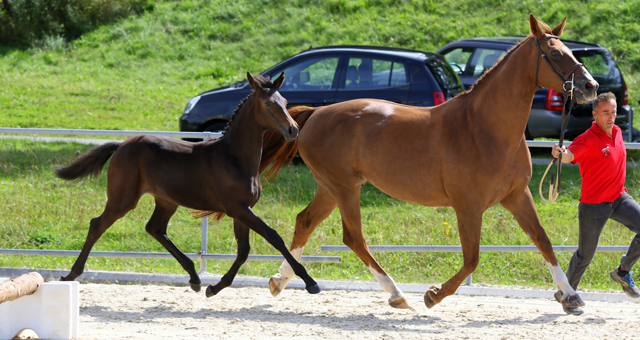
(527,134)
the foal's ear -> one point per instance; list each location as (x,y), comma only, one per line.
(535,27)
(558,30)
(251,81)
(279,81)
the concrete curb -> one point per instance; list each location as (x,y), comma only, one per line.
(249,281)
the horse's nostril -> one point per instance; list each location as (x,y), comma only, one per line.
(589,84)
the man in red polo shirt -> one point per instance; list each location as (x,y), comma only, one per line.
(602,157)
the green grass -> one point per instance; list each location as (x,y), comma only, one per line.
(138,73)
(40,211)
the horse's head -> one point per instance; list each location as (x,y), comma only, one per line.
(557,68)
(271,107)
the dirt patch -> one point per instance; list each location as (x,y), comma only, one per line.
(162,312)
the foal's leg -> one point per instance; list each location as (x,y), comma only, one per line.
(520,204)
(97,227)
(469,225)
(349,204)
(246,216)
(157,227)
(242,237)
(317,211)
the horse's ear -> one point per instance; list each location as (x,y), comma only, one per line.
(535,27)
(251,81)
(558,30)
(279,81)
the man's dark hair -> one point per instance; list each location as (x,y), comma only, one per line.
(603,97)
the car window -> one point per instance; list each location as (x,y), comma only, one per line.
(601,66)
(444,74)
(313,74)
(370,73)
(483,59)
(458,58)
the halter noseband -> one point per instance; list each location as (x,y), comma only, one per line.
(553,68)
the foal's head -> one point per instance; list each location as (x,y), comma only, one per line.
(270,107)
(560,66)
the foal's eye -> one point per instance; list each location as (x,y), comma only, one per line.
(267,104)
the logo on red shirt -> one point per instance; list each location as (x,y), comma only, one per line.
(605,151)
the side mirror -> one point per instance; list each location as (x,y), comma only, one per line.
(305,77)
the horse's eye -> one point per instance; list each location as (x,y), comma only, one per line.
(267,104)
(555,53)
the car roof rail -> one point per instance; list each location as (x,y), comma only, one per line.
(369,47)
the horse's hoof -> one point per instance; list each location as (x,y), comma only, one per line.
(273,287)
(315,289)
(429,300)
(64,278)
(573,301)
(209,292)
(195,286)
(401,303)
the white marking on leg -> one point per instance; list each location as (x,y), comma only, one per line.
(286,272)
(387,284)
(560,279)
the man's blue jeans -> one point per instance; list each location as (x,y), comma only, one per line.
(592,218)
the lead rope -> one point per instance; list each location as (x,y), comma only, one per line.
(554,188)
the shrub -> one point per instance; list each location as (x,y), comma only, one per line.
(35,23)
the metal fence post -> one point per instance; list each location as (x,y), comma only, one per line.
(203,245)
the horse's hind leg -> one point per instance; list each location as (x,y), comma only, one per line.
(469,225)
(157,227)
(349,204)
(317,211)
(97,227)
(520,204)
(242,237)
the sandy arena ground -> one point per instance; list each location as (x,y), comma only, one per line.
(163,312)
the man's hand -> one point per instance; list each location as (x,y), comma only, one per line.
(567,156)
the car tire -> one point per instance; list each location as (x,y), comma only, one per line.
(527,134)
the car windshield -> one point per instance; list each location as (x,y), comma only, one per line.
(444,74)
(601,66)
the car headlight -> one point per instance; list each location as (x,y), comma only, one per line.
(191,104)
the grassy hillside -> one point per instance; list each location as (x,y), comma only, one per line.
(138,73)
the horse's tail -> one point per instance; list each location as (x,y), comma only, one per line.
(89,164)
(275,150)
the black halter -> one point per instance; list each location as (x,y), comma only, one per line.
(565,118)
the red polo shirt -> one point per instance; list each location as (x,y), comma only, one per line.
(603,164)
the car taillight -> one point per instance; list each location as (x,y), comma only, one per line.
(625,99)
(438,98)
(554,101)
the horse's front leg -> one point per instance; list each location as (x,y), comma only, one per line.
(469,225)
(520,204)
(246,216)
(242,237)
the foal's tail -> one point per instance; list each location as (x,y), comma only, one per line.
(275,150)
(89,164)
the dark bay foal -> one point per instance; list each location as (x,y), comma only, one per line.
(219,176)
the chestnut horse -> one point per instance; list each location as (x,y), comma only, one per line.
(218,176)
(468,153)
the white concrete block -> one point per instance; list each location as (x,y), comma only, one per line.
(52,312)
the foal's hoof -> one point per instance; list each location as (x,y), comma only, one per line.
(65,278)
(429,296)
(401,303)
(274,287)
(195,286)
(211,291)
(315,289)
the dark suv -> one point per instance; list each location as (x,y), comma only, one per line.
(470,58)
(327,75)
